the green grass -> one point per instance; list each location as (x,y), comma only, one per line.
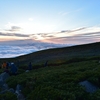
(58,82)
(8,96)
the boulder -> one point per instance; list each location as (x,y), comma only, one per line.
(89,86)
(18,87)
(5,86)
(27,71)
(20,97)
(1,82)
(11,90)
(4,76)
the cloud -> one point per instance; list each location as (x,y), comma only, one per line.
(13,34)
(14,28)
(75,36)
(13,51)
(73,40)
(79,35)
(62,13)
(21,47)
(30,19)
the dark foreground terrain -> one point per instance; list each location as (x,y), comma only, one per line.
(60,79)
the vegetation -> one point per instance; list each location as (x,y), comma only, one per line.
(60,79)
(8,96)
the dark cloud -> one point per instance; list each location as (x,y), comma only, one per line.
(14,28)
(13,34)
(68,31)
(87,35)
(79,29)
(81,35)
(77,39)
(47,36)
(21,35)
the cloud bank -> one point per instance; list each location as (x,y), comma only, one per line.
(75,36)
(16,48)
(15,28)
(16,43)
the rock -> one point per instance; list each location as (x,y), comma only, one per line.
(20,97)
(18,87)
(4,91)
(1,82)
(4,76)
(5,87)
(18,92)
(27,71)
(89,86)
(11,90)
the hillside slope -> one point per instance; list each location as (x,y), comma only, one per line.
(59,54)
(61,81)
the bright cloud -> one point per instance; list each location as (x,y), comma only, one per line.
(30,19)
(16,48)
(76,36)
(30,28)
(79,35)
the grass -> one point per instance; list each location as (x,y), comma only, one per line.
(58,82)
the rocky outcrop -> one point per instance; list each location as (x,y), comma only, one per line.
(4,87)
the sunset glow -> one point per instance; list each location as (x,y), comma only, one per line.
(54,21)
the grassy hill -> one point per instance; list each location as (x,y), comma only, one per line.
(60,79)
(59,54)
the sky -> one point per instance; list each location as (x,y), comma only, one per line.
(54,21)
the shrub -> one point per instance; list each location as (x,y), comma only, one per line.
(8,96)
